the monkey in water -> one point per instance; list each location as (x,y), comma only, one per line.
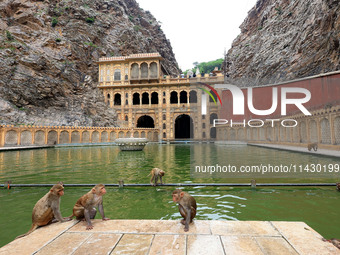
(313,146)
(85,209)
(47,209)
(155,173)
(186,205)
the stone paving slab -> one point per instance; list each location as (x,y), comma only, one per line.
(168,244)
(98,243)
(168,237)
(293,231)
(250,228)
(37,239)
(144,226)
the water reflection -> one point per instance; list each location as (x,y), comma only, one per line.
(108,164)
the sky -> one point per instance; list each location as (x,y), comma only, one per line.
(200,30)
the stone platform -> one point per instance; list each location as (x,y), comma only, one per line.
(319,152)
(168,237)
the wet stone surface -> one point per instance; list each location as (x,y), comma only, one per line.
(168,237)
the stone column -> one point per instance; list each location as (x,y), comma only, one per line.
(33,136)
(19,137)
(2,137)
(332,130)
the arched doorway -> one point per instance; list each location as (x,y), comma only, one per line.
(145,121)
(184,127)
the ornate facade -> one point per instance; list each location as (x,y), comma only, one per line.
(145,96)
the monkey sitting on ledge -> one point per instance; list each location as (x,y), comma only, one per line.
(84,209)
(186,205)
(313,146)
(47,209)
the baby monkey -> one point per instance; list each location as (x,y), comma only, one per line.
(155,173)
(85,209)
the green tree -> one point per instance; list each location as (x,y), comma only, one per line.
(207,67)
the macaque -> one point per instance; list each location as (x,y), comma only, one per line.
(47,209)
(313,146)
(155,173)
(186,205)
(338,186)
(85,209)
(334,241)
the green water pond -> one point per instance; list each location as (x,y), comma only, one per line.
(317,206)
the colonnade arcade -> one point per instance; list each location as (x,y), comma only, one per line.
(176,111)
(148,98)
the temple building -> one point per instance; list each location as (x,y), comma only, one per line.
(139,88)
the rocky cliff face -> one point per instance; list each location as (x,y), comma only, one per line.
(285,39)
(48,51)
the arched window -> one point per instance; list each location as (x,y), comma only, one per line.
(134,71)
(183,97)
(117,99)
(154,98)
(193,97)
(145,98)
(126,118)
(164,117)
(117,75)
(144,71)
(153,70)
(136,99)
(164,126)
(173,97)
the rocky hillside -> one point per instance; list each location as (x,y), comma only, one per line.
(48,50)
(283,40)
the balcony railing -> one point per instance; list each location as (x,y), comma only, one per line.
(166,80)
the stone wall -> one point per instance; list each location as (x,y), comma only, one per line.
(44,135)
(322,127)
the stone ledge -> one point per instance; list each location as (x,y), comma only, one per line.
(168,237)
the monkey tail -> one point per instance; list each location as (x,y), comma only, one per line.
(34,227)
